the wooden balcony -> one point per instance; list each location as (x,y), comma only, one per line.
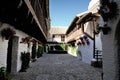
(73,35)
(40,11)
(29,16)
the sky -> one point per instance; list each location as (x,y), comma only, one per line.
(62,12)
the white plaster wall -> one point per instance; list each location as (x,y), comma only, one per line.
(57,38)
(110,50)
(94,6)
(88,28)
(50,37)
(3,52)
(109,57)
(92,2)
(98,43)
(21,48)
(86,52)
(4,45)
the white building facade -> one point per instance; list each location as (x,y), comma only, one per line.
(17,48)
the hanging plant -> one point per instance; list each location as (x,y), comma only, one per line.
(25,58)
(34,41)
(88,43)
(108,10)
(78,42)
(83,42)
(106,29)
(26,40)
(7,33)
(81,38)
(85,37)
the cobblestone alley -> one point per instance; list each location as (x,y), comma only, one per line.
(59,67)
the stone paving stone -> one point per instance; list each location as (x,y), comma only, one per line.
(59,67)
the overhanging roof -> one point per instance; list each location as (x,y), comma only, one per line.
(87,16)
(21,18)
(72,25)
(84,18)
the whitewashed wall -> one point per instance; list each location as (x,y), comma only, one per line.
(4,45)
(86,52)
(110,54)
(21,48)
(88,28)
(3,52)
(57,38)
(98,42)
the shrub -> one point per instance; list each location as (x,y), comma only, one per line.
(25,58)
(39,51)
(34,52)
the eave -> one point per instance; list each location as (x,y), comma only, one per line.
(21,18)
(34,16)
(72,25)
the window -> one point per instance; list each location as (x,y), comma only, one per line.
(62,38)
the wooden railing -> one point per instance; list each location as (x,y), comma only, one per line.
(73,35)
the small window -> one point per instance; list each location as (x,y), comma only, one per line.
(53,36)
(62,38)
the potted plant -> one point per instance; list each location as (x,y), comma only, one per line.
(39,51)
(34,53)
(7,33)
(106,29)
(25,58)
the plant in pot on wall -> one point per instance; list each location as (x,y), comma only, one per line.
(106,29)
(25,58)
(7,33)
(3,75)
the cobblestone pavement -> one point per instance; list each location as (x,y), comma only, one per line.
(59,67)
